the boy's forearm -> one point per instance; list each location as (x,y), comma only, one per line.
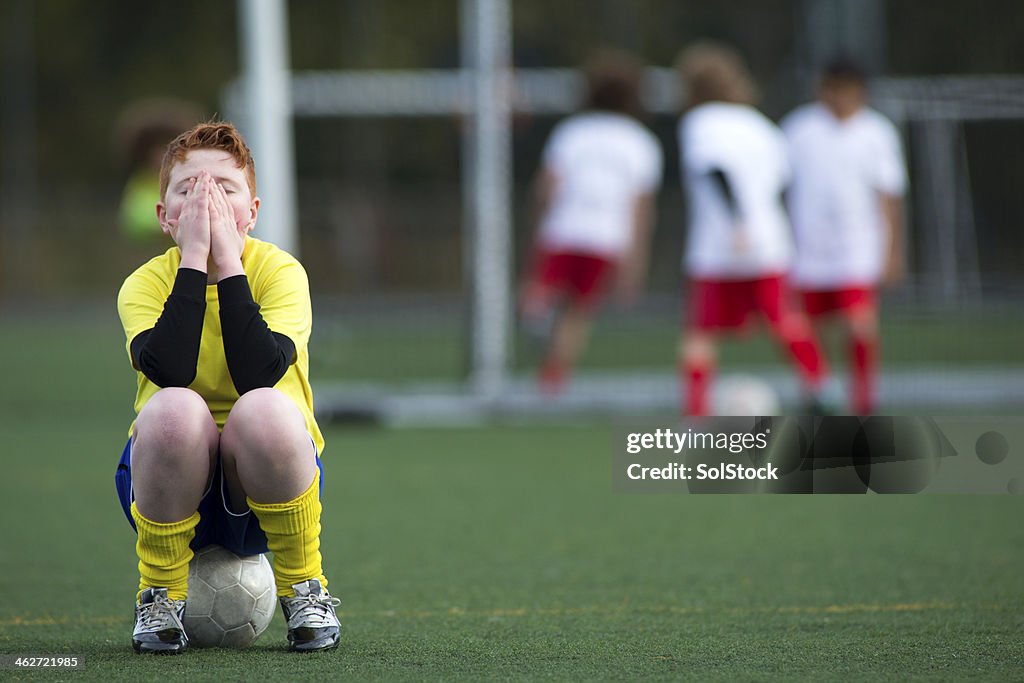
(892,208)
(256,356)
(643,228)
(168,352)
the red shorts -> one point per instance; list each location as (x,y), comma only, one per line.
(582,277)
(728,304)
(818,302)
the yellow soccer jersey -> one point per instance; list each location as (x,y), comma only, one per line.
(279,286)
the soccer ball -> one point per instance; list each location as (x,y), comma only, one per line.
(744,395)
(231,598)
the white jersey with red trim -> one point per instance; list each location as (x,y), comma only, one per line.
(841,169)
(750,151)
(602,162)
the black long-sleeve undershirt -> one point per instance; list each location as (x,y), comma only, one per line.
(169,352)
(257,356)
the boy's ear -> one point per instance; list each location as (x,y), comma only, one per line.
(161,217)
(254,210)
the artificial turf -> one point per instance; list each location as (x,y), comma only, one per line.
(501,553)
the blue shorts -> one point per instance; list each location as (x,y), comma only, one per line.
(239,533)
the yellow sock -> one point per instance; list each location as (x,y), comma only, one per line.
(164,553)
(293,535)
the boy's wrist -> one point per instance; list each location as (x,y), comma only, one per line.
(228,267)
(194,259)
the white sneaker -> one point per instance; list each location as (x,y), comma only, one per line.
(158,627)
(312,623)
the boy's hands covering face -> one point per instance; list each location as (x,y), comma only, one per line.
(208,209)
(227,238)
(191,230)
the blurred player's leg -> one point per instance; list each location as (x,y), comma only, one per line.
(859,314)
(570,337)
(715,306)
(696,360)
(795,333)
(537,313)
(862,323)
(539,298)
(583,279)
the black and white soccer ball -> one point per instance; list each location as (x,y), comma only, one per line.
(231,598)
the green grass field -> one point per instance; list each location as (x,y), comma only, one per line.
(501,552)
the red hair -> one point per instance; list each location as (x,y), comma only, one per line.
(222,136)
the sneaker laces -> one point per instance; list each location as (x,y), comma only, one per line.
(160,614)
(315,611)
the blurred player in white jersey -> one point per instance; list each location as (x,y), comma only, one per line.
(595,209)
(739,248)
(846,206)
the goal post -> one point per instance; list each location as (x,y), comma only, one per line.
(262,102)
(485,32)
(267,96)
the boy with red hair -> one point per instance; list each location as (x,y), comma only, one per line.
(225,448)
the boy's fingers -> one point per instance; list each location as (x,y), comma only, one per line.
(226,206)
(214,207)
(198,183)
(214,199)
(222,201)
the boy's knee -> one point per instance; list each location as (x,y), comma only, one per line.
(265,438)
(862,322)
(262,405)
(793,325)
(175,416)
(696,347)
(264,417)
